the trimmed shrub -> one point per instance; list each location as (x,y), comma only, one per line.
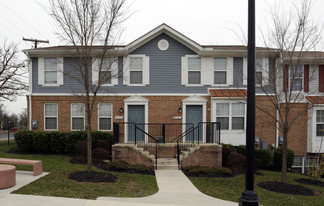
(24,139)
(236,162)
(100,154)
(59,142)
(225,152)
(41,142)
(81,147)
(72,138)
(277,158)
(265,158)
(241,149)
(102,144)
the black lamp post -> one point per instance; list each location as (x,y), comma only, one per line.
(9,132)
(249,196)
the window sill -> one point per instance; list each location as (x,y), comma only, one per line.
(108,85)
(136,85)
(105,130)
(50,129)
(194,85)
(217,85)
(51,85)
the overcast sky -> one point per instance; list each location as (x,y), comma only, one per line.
(208,22)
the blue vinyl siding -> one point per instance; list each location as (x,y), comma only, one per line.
(165,73)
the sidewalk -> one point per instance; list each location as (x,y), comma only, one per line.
(175,189)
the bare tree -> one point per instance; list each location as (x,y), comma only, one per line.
(11,72)
(90,26)
(295,37)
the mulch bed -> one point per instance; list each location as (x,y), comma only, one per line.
(310,182)
(85,176)
(286,188)
(105,167)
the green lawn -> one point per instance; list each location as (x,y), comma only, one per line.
(57,183)
(232,188)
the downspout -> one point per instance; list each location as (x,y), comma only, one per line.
(277,129)
(30,89)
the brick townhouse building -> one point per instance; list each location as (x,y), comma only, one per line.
(165,77)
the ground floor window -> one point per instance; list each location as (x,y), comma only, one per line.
(77,116)
(319,122)
(105,116)
(230,115)
(50,116)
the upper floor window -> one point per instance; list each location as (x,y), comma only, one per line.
(50,71)
(50,115)
(136,70)
(77,116)
(258,71)
(194,70)
(105,75)
(230,115)
(105,116)
(220,70)
(105,71)
(296,77)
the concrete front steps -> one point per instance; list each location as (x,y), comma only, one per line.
(167,164)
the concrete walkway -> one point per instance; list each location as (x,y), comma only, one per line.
(175,189)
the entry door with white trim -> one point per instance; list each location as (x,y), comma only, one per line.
(194,114)
(136,114)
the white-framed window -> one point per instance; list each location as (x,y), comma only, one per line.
(231,115)
(108,74)
(77,116)
(261,71)
(258,71)
(50,71)
(50,116)
(136,70)
(105,116)
(296,77)
(319,123)
(105,75)
(220,70)
(194,70)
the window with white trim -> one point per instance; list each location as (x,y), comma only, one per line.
(258,71)
(105,75)
(194,70)
(319,122)
(77,116)
(230,115)
(50,71)
(105,116)
(220,70)
(50,113)
(136,70)
(296,77)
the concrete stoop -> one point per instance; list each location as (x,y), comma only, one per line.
(167,164)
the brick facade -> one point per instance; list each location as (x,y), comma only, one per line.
(207,155)
(162,109)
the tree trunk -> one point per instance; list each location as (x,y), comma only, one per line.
(284,158)
(88,127)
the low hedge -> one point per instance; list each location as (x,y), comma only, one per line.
(57,142)
(277,158)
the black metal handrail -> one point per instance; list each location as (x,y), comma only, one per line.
(148,143)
